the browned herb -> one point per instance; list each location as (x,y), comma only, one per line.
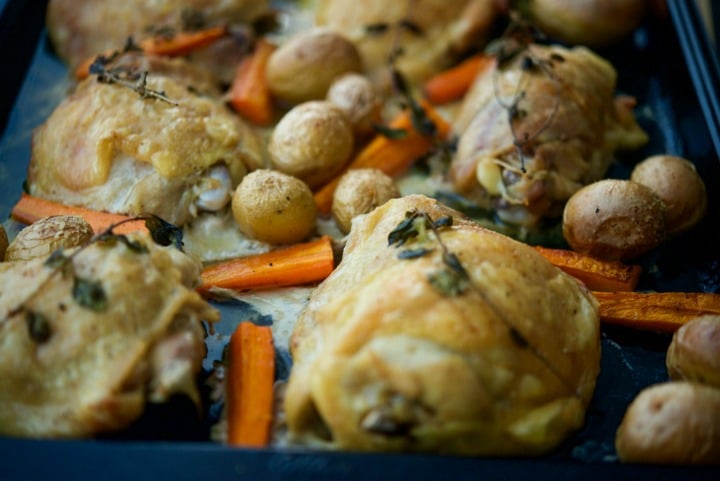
(38,327)
(135,80)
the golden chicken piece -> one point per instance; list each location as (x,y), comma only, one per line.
(88,339)
(431,34)
(81,29)
(450,339)
(550,111)
(132,145)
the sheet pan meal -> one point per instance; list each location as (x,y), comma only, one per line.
(422,184)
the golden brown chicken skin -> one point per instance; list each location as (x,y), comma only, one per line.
(536,128)
(86,344)
(430,34)
(112,147)
(402,352)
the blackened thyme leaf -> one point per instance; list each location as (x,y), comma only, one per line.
(163,232)
(56,259)
(518,338)
(111,240)
(413,253)
(38,327)
(89,294)
(376,28)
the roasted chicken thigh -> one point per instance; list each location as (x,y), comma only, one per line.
(441,336)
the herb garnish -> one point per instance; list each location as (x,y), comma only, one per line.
(89,294)
(135,80)
(38,327)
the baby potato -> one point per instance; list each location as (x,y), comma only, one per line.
(614,220)
(274,207)
(3,242)
(680,187)
(671,423)
(694,353)
(359,191)
(355,95)
(303,68)
(43,237)
(312,142)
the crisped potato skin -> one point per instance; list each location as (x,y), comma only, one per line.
(672,423)
(694,353)
(614,220)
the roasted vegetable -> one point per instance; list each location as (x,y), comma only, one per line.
(694,353)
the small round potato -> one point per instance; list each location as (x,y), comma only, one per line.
(671,423)
(274,207)
(614,220)
(678,184)
(694,353)
(303,68)
(312,142)
(43,237)
(3,242)
(359,191)
(355,95)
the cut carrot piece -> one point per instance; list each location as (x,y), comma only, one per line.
(182,42)
(657,311)
(392,156)
(290,266)
(597,275)
(249,385)
(453,84)
(30,209)
(249,94)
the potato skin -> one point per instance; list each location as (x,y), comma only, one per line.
(356,96)
(43,237)
(274,207)
(671,423)
(614,220)
(680,187)
(694,353)
(312,142)
(359,191)
(303,68)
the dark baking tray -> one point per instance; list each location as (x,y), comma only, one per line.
(651,66)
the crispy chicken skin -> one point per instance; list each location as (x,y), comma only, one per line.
(566,119)
(385,361)
(80,29)
(108,148)
(445,30)
(74,369)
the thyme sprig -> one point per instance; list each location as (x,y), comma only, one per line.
(134,79)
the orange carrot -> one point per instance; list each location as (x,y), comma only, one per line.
(392,156)
(290,266)
(597,275)
(249,388)
(657,311)
(453,84)
(182,42)
(249,94)
(30,209)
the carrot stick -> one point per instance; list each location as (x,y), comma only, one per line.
(249,94)
(30,209)
(392,156)
(251,374)
(597,275)
(290,266)
(181,43)
(657,311)
(453,84)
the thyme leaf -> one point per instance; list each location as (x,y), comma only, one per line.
(375,29)
(413,253)
(89,294)
(111,239)
(163,232)
(448,282)
(38,327)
